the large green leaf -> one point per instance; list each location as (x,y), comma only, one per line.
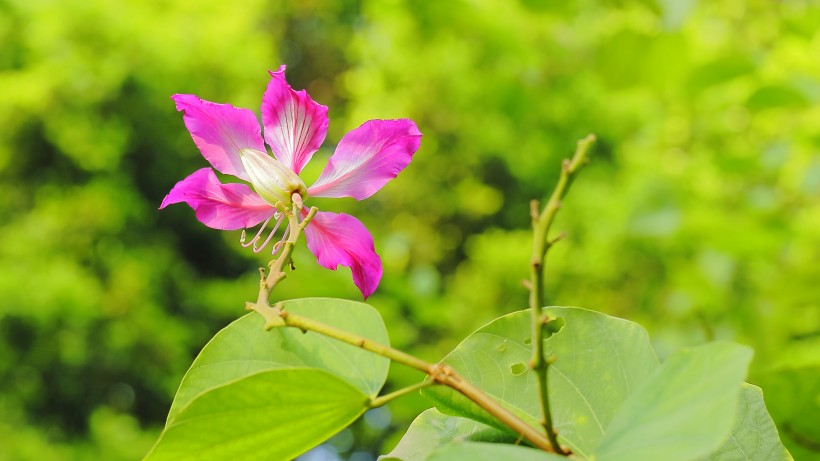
(244,348)
(683,411)
(600,360)
(432,429)
(754,435)
(269,415)
(256,394)
(480,451)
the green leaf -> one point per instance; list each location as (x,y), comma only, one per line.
(683,411)
(794,399)
(600,360)
(432,429)
(754,436)
(256,394)
(722,69)
(772,96)
(479,451)
(244,348)
(269,415)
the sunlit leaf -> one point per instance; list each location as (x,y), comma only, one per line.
(684,410)
(432,429)
(792,387)
(269,415)
(480,451)
(754,436)
(244,348)
(256,393)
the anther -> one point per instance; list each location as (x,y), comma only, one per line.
(255,238)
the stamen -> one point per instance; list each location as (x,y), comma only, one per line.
(253,241)
(281,243)
(270,236)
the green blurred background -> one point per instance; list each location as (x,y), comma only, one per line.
(699,216)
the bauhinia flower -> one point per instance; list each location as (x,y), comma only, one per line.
(230,138)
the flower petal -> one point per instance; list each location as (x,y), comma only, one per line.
(342,239)
(217,205)
(367,158)
(295,125)
(220,131)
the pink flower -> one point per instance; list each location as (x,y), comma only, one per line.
(230,139)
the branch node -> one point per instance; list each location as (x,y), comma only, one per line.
(561,236)
(534,209)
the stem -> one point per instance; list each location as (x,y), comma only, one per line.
(277,266)
(439,373)
(541,224)
(277,316)
(384,399)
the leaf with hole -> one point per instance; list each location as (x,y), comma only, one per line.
(600,360)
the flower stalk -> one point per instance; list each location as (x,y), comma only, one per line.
(542,221)
(276,267)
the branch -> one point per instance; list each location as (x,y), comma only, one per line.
(439,373)
(541,224)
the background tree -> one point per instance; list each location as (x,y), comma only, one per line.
(698,217)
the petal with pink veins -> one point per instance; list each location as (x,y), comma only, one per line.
(220,131)
(295,125)
(217,205)
(367,158)
(340,239)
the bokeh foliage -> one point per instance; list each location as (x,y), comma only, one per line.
(698,218)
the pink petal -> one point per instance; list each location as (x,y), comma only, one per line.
(367,158)
(217,205)
(342,239)
(295,125)
(220,131)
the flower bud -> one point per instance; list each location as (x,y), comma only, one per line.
(271,179)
